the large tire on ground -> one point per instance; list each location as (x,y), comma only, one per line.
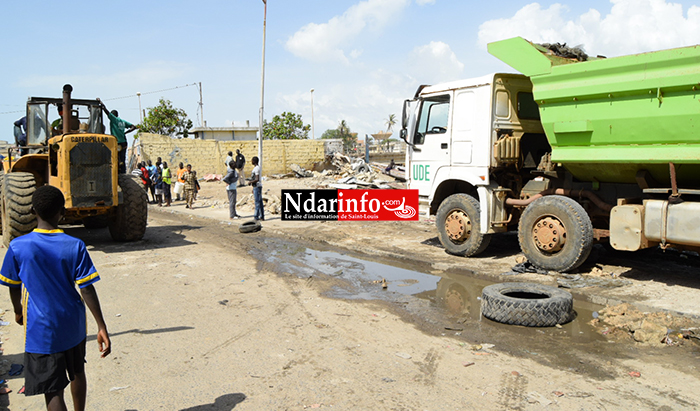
(17,219)
(528,304)
(250,227)
(128,221)
(555,233)
(459,223)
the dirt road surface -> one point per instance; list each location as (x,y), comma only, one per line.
(293,318)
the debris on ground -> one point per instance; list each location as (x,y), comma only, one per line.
(582,281)
(300,172)
(525,267)
(211,177)
(342,172)
(271,202)
(626,321)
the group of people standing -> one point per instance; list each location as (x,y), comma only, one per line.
(158,178)
(235,177)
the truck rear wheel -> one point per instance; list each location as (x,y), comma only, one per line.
(128,221)
(555,233)
(459,226)
(17,219)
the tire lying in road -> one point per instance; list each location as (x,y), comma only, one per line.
(250,227)
(528,304)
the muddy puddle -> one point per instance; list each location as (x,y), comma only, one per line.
(448,302)
(454,295)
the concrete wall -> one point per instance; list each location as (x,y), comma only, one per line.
(207,156)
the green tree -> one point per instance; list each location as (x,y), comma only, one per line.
(330,134)
(286,126)
(346,135)
(390,122)
(166,120)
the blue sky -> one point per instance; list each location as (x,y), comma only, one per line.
(362,58)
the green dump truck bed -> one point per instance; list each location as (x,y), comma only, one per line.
(608,118)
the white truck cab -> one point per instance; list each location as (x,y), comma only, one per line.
(461,135)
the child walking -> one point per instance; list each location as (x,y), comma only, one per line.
(42,269)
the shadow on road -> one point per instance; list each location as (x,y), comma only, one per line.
(140,331)
(225,402)
(168,236)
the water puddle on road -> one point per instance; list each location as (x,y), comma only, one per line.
(455,295)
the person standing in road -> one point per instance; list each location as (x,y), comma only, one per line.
(166,184)
(231,181)
(229,158)
(158,183)
(256,182)
(190,177)
(180,183)
(240,163)
(118,128)
(42,270)
(152,175)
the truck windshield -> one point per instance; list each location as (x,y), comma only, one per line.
(433,117)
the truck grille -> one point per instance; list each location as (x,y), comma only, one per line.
(90,174)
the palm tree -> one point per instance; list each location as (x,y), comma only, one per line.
(390,122)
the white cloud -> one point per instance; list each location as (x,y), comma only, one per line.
(435,62)
(364,106)
(631,26)
(424,2)
(328,41)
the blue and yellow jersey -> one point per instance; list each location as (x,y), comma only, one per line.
(48,265)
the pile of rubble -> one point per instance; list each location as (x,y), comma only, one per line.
(271,203)
(342,172)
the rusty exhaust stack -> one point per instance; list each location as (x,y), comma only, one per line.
(67,108)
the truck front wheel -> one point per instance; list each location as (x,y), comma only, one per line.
(128,221)
(555,233)
(459,226)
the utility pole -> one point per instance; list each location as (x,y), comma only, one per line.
(138,94)
(313,134)
(262,93)
(201,106)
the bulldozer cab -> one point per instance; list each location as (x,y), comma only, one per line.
(44,121)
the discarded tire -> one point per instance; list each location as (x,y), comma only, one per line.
(528,304)
(250,227)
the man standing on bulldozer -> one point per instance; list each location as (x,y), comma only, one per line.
(118,128)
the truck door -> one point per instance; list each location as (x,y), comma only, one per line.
(431,142)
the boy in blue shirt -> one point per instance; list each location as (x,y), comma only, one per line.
(42,269)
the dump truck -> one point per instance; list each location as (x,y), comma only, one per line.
(74,154)
(567,153)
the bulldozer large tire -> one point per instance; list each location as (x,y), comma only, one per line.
(128,222)
(17,219)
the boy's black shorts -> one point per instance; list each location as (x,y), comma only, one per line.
(45,373)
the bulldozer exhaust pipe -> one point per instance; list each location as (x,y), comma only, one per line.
(67,108)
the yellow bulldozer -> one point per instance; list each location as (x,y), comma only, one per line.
(74,154)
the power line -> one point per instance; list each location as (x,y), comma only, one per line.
(108,99)
(149,92)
